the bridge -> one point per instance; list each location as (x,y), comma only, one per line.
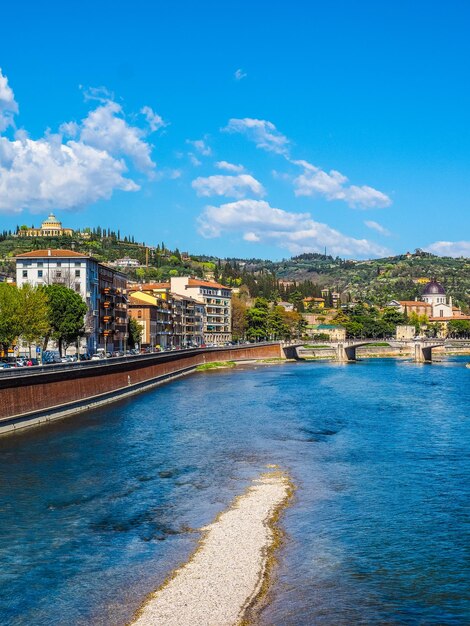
(421,349)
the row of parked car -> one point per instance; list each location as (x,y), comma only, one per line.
(50,357)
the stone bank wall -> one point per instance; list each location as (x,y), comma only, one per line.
(32,397)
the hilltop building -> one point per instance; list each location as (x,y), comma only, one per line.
(125,262)
(51,227)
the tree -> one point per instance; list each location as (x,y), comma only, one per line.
(239,321)
(257,320)
(66,315)
(458,328)
(10,312)
(277,327)
(34,319)
(135,332)
(297,300)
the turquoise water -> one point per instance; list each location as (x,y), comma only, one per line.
(96,510)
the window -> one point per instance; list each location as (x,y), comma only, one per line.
(59,264)
(77,263)
(40,263)
(441,313)
(25,273)
(139,314)
(39,273)
(77,287)
(77,273)
(58,274)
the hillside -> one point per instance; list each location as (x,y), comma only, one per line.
(377,280)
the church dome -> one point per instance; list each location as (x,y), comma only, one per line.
(51,221)
(433,288)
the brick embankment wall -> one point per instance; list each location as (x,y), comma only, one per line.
(32,398)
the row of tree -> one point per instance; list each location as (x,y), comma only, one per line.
(38,314)
(264,321)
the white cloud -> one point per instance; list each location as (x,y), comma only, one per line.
(83,163)
(229,186)
(313,181)
(194,160)
(377,227)
(263,133)
(253,237)
(47,174)
(240,74)
(106,129)
(256,220)
(334,186)
(8,105)
(450,248)
(201,146)
(101,94)
(229,167)
(154,120)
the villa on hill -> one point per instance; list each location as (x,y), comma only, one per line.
(51,227)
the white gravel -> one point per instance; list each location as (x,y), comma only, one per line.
(226,572)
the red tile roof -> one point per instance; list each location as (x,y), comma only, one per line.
(195,282)
(413,303)
(449,319)
(64,254)
(147,286)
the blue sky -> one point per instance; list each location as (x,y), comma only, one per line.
(241,128)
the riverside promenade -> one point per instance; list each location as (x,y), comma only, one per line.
(38,395)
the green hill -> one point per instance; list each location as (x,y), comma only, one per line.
(377,280)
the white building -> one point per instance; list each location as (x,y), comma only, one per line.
(125,262)
(217,300)
(72,269)
(435,295)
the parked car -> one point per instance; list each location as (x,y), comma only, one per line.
(50,356)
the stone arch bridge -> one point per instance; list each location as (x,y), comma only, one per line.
(421,349)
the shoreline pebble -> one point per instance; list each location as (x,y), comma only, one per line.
(228,568)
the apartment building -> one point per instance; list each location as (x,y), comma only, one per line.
(154,314)
(102,289)
(72,269)
(113,314)
(216,299)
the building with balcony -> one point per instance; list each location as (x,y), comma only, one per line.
(113,315)
(102,288)
(217,301)
(180,320)
(71,269)
(154,314)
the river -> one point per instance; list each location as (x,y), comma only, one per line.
(96,510)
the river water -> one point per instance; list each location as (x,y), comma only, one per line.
(96,510)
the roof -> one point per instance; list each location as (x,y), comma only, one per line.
(63,254)
(329,327)
(414,303)
(310,299)
(195,282)
(148,286)
(434,288)
(449,319)
(136,301)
